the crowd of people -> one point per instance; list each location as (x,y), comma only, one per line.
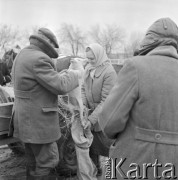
(132,115)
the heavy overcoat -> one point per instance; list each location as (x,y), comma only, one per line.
(141,114)
(36,86)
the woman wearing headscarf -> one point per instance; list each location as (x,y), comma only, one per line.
(99,79)
(141,111)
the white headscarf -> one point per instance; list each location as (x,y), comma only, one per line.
(101,59)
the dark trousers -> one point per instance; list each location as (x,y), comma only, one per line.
(41,158)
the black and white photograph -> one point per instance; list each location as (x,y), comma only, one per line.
(88,89)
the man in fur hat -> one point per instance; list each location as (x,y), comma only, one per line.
(36,87)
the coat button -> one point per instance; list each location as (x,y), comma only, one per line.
(158,136)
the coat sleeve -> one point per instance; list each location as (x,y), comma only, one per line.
(108,83)
(119,103)
(63,63)
(57,83)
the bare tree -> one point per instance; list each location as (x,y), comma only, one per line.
(110,37)
(134,42)
(26,33)
(73,37)
(31,30)
(7,36)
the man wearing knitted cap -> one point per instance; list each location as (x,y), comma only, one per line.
(140,113)
(36,86)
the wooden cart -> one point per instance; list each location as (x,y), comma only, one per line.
(5,117)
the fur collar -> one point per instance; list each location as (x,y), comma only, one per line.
(44,46)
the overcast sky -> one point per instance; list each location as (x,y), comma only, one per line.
(132,15)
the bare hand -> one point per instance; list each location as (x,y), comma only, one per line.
(87,125)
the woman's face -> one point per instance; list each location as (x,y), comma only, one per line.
(91,57)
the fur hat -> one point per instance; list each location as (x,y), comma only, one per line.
(46,37)
(46,32)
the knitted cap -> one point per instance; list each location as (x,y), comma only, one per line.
(46,32)
(46,37)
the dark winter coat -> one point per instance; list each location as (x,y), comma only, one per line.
(141,114)
(36,86)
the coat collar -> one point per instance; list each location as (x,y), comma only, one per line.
(100,70)
(164,51)
(44,46)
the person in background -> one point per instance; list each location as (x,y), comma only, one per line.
(5,76)
(140,113)
(36,87)
(99,79)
